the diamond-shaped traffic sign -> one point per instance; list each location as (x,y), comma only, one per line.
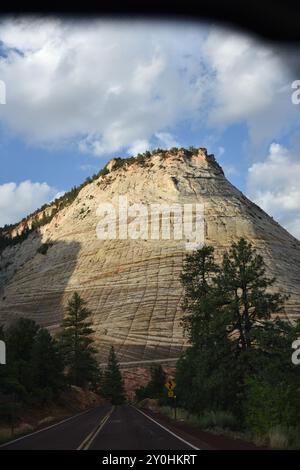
(170,384)
(170,393)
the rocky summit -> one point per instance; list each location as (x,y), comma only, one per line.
(132,284)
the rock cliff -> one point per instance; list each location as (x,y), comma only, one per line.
(132,286)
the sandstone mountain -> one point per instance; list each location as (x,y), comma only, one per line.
(132,286)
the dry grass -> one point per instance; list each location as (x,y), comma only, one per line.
(278,438)
(22,428)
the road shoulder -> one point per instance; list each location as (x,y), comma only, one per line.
(199,438)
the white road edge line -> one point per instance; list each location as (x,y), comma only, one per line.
(166,429)
(44,429)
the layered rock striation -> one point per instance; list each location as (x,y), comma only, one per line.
(131,285)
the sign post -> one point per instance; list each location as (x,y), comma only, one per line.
(170,386)
(175,408)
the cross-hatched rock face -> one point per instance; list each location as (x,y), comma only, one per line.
(132,286)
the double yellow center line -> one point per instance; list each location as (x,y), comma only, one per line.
(86,444)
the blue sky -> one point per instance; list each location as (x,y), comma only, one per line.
(79,93)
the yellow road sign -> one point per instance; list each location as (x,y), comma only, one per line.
(170,385)
(170,393)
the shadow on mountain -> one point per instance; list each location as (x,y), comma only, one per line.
(34,278)
(129,354)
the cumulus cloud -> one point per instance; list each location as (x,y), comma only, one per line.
(274,185)
(106,85)
(139,146)
(166,140)
(247,75)
(251,84)
(19,200)
(111,86)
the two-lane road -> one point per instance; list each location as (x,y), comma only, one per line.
(129,428)
(104,428)
(67,434)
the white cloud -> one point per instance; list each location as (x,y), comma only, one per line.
(57,195)
(166,140)
(111,86)
(18,200)
(251,83)
(246,76)
(103,84)
(139,146)
(274,185)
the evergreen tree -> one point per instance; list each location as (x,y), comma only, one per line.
(76,344)
(20,337)
(199,272)
(234,337)
(155,387)
(113,387)
(46,366)
(157,382)
(243,286)
(200,376)
(33,373)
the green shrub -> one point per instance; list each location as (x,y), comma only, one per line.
(103,172)
(208,420)
(217,419)
(141,393)
(280,437)
(267,405)
(167,411)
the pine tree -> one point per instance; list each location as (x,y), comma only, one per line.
(229,318)
(46,366)
(113,387)
(200,373)
(34,371)
(199,272)
(156,385)
(76,344)
(157,382)
(243,286)
(20,337)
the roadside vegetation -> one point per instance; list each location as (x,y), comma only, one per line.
(156,386)
(42,371)
(237,375)
(112,384)
(41,368)
(76,345)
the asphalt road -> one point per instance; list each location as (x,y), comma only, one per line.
(129,429)
(68,434)
(103,428)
